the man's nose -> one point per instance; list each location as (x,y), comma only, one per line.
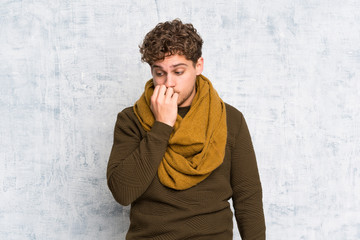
(170,81)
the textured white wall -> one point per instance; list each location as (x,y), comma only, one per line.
(68,67)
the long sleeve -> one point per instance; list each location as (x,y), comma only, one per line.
(247,191)
(135,156)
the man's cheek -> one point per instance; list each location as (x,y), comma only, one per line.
(157,82)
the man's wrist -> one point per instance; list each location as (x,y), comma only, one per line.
(162,130)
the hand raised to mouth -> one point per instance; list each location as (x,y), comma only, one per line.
(164,105)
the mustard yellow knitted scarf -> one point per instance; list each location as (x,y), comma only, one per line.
(197,144)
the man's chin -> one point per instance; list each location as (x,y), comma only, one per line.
(182,104)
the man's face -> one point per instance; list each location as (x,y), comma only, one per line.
(177,72)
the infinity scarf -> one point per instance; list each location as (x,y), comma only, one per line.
(197,144)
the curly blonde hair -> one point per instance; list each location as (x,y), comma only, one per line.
(169,38)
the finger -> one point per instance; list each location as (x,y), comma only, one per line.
(175,97)
(162,91)
(155,93)
(169,93)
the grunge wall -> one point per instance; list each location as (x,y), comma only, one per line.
(68,67)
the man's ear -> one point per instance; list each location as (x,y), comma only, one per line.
(199,66)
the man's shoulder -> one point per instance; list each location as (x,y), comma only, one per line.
(234,120)
(233,113)
(127,110)
(127,113)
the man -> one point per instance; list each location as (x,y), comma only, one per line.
(180,153)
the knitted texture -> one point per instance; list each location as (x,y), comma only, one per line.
(197,144)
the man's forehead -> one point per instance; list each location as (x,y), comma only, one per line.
(172,61)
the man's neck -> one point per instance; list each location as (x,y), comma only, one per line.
(182,111)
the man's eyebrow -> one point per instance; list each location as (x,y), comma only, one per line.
(179,64)
(156,66)
(173,66)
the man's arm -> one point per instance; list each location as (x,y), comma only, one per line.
(247,191)
(134,161)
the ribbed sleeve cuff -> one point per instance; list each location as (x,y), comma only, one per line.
(161,130)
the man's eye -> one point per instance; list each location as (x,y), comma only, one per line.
(179,73)
(159,74)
